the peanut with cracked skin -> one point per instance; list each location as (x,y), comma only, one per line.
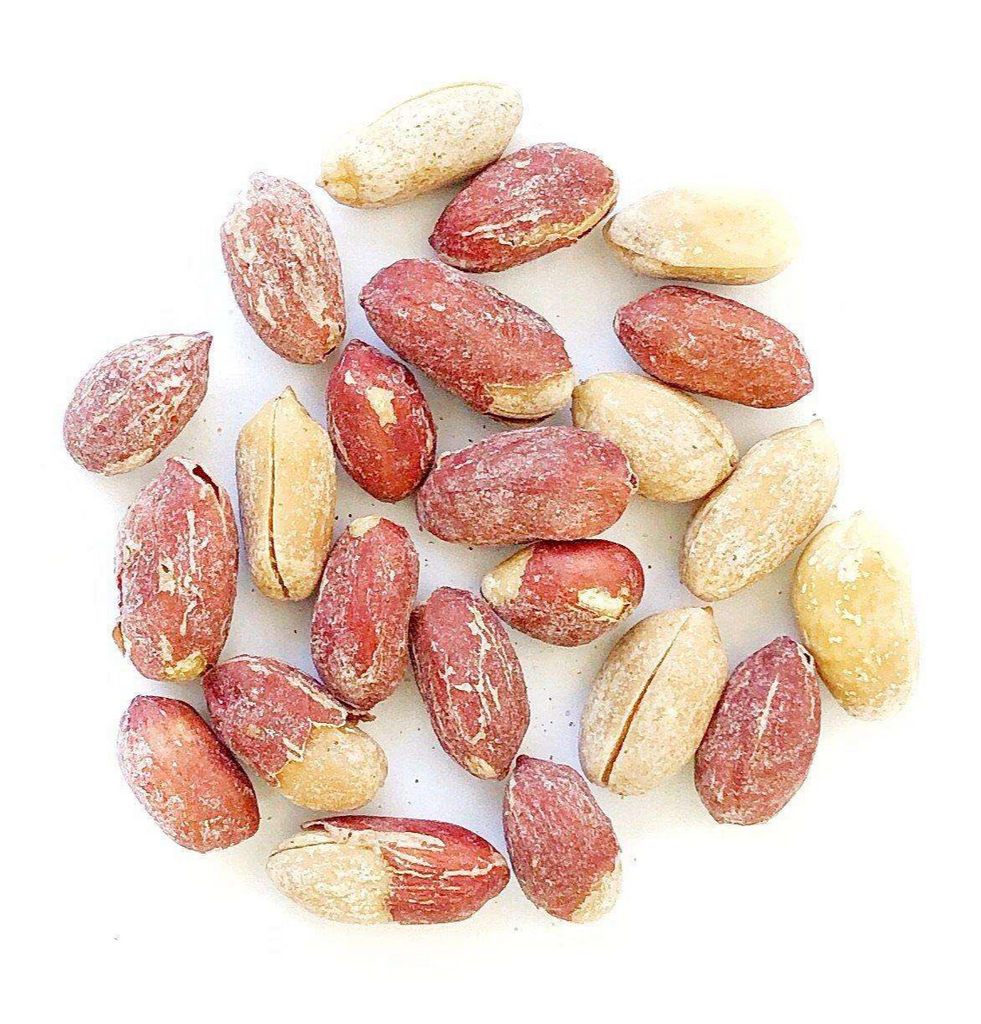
(697,341)
(758,747)
(678,448)
(359,636)
(300,740)
(778,493)
(380,423)
(176,571)
(479,344)
(286,485)
(854,605)
(526,205)
(135,401)
(470,680)
(540,483)
(721,236)
(562,846)
(284,271)
(566,592)
(652,700)
(360,869)
(184,778)
(422,144)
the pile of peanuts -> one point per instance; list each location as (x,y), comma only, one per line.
(663,696)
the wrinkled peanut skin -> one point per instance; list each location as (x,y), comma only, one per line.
(365,869)
(562,846)
(497,355)
(566,593)
(359,633)
(471,681)
(526,205)
(176,570)
(135,401)
(379,422)
(284,271)
(295,735)
(185,779)
(541,483)
(758,747)
(697,341)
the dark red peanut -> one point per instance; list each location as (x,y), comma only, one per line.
(135,401)
(380,423)
(185,779)
(366,870)
(704,343)
(541,483)
(176,569)
(470,680)
(497,355)
(529,203)
(562,846)
(566,592)
(359,634)
(758,747)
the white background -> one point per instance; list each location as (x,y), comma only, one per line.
(131,128)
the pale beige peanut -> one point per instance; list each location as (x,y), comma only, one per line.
(652,700)
(854,606)
(341,769)
(286,488)
(424,143)
(345,882)
(730,236)
(677,448)
(778,493)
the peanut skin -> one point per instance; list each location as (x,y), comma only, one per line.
(526,205)
(541,483)
(758,747)
(380,423)
(176,570)
(500,357)
(185,779)
(566,592)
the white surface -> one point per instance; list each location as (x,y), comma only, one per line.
(134,125)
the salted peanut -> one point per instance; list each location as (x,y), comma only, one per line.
(299,739)
(732,236)
(652,701)
(424,143)
(359,637)
(360,869)
(470,680)
(380,423)
(697,341)
(176,571)
(854,606)
(678,449)
(566,592)
(500,357)
(778,493)
(562,847)
(135,401)
(758,747)
(286,486)
(182,775)
(283,267)
(542,483)
(526,205)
